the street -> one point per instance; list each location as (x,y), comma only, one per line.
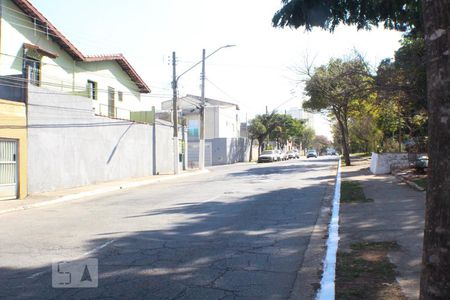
(238,231)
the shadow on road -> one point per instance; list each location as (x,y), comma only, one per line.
(249,247)
(285,168)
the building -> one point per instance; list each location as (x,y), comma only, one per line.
(221,118)
(223,143)
(53,103)
(13,150)
(33,49)
(302,115)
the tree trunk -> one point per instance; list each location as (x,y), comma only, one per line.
(260,146)
(435,280)
(251,151)
(344,142)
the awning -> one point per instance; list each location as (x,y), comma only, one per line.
(39,50)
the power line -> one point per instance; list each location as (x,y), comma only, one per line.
(86,71)
(20,84)
(43,25)
(226,94)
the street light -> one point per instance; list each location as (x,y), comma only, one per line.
(201,146)
(175,112)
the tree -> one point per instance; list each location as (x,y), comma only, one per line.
(407,15)
(307,137)
(321,143)
(401,86)
(256,131)
(263,126)
(365,135)
(337,88)
(287,129)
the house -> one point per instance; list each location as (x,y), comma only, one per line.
(33,49)
(66,119)
(223,143)
(221,118)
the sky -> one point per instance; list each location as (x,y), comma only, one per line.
(258,72)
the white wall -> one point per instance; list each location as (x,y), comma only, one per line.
(229,123)
(68,146)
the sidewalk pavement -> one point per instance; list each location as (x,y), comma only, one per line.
(396,214)
(64,195)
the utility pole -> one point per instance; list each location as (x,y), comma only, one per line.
(201,144)
(176,166)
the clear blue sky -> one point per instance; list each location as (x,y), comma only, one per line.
(255,73)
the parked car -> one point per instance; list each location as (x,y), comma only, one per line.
(268,156)
(421,163)
(291,154)
(331,152)
(279,155)
(311,153)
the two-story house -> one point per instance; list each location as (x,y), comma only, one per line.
(32,48)
(34,53)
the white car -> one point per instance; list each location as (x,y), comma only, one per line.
(268,156)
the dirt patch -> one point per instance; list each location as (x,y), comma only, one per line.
(366,273)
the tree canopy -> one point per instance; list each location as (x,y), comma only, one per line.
(402,15)
(338,88)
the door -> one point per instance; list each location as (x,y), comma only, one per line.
(8,169)
(111,103)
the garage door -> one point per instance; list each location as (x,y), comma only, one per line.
(8,169)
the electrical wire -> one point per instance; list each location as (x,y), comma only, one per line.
(78,67)
(69,84)
(69,91)
(27,18)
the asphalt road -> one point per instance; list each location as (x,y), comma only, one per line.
(237,232)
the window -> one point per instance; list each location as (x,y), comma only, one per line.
(92,89)
(32,68)
(120,96)
(193,128)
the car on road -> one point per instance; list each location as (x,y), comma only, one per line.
(311,153)
(283,155)
(292,154)
(268,156)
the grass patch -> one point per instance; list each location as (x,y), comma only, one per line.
(352,192)
(375,246)
(367,273)
(422,182)
(361,155)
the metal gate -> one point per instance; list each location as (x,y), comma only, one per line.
(8,169)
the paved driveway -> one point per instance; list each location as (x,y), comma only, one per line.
(237,232)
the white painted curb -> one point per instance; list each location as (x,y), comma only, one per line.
(100,191)
(327,284)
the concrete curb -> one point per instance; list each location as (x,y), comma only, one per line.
(327,284)
(410,183)
(308,277)
(99,191)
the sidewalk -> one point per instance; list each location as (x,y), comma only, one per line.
(59,196)
(395,215)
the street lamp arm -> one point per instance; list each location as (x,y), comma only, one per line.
(196,64)
(188,70)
